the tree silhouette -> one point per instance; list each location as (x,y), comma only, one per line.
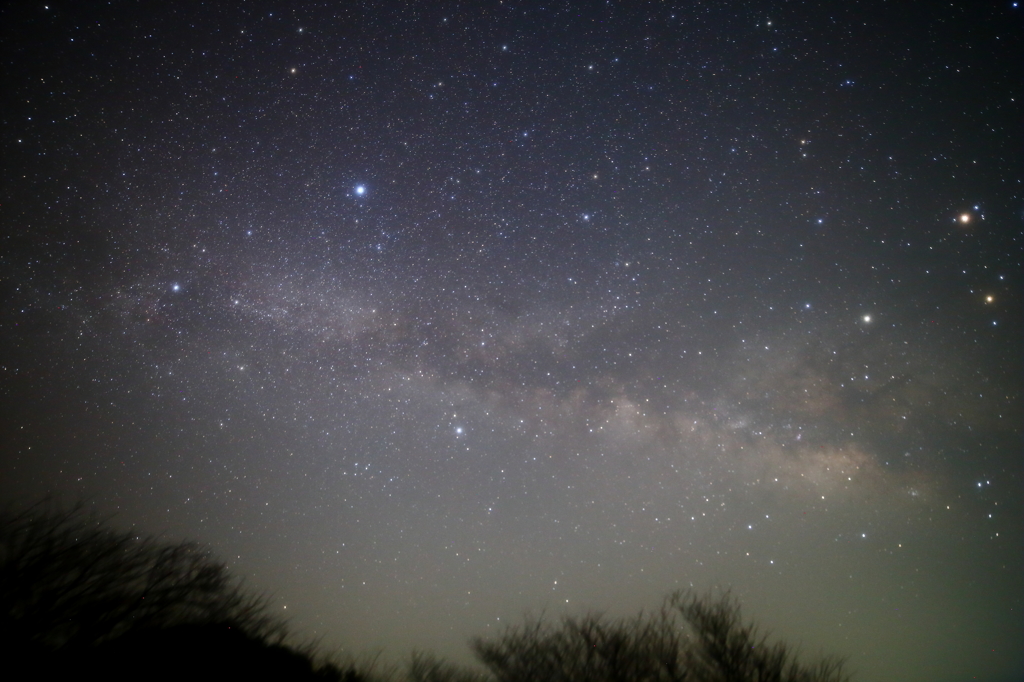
(68,580)
(691,638)
(78,595)
(722,648)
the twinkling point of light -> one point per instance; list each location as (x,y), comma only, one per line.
(965,218)
(360,190)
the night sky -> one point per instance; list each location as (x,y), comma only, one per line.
(425,315)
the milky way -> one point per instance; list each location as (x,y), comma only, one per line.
(425,316)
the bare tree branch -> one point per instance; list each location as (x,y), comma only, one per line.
(691,638)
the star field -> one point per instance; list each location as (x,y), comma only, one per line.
(423,315)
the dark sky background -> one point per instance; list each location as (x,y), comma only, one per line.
(424,315)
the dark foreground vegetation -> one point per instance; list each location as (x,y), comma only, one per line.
(81,600)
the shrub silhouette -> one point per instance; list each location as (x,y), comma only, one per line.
(77,596)
(691,638)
